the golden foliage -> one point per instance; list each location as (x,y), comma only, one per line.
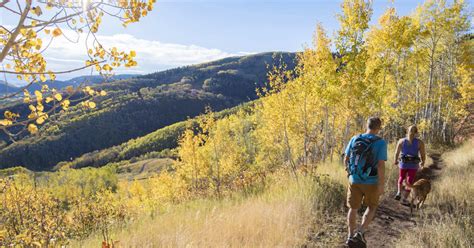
(23,49)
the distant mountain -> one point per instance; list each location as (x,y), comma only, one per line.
(137,106)
(61,84)
(6,88)
(96,79)
(84,80)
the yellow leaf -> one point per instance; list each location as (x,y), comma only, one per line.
(107,67)
(133,53)
(65,104)
(32,128)
(52,76)
(47,31)
(70,89)
(40,108)
(91,105)
(37,10)
(103,93)
(40,120)
(44,88)
(5,122)
(32,108)
(57,32)
(49,99)
(58,97)
(10,116)
(42,78)
(39,95)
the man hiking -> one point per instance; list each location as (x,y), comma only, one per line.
(365,158)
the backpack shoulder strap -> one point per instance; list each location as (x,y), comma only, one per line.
(355,138)
(374,139)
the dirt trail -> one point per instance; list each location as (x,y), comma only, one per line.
(390,220)
(392,217)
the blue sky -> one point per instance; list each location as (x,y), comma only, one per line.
(183,32)
(245,25)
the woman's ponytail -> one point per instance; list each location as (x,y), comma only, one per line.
(412,132)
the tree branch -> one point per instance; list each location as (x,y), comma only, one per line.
(3,3)
(10,42)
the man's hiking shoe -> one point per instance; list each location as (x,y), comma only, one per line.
(398,196)
(358,241)
(349,243)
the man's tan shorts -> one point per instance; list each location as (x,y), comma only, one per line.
(358,192)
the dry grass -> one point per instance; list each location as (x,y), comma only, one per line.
(280,217)
(290,214)
(448,218)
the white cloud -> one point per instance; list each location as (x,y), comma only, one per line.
(70,51)
(152,55)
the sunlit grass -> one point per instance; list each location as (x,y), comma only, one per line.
(447,220)
(281,216)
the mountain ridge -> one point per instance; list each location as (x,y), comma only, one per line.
(136,106)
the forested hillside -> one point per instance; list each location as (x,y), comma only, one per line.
(196,156)
(137,106)
(155,144)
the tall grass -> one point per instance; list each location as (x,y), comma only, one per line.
(308,211)
(281,216)
(448,218)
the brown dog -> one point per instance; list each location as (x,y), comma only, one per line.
(419,191)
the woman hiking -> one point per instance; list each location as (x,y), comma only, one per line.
(412,157)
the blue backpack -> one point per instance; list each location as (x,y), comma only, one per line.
(361,158)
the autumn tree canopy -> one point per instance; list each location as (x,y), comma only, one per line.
(38,23)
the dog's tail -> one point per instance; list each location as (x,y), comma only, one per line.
(408,184)
(417,183)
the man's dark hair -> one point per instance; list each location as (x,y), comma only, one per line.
(374,123)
